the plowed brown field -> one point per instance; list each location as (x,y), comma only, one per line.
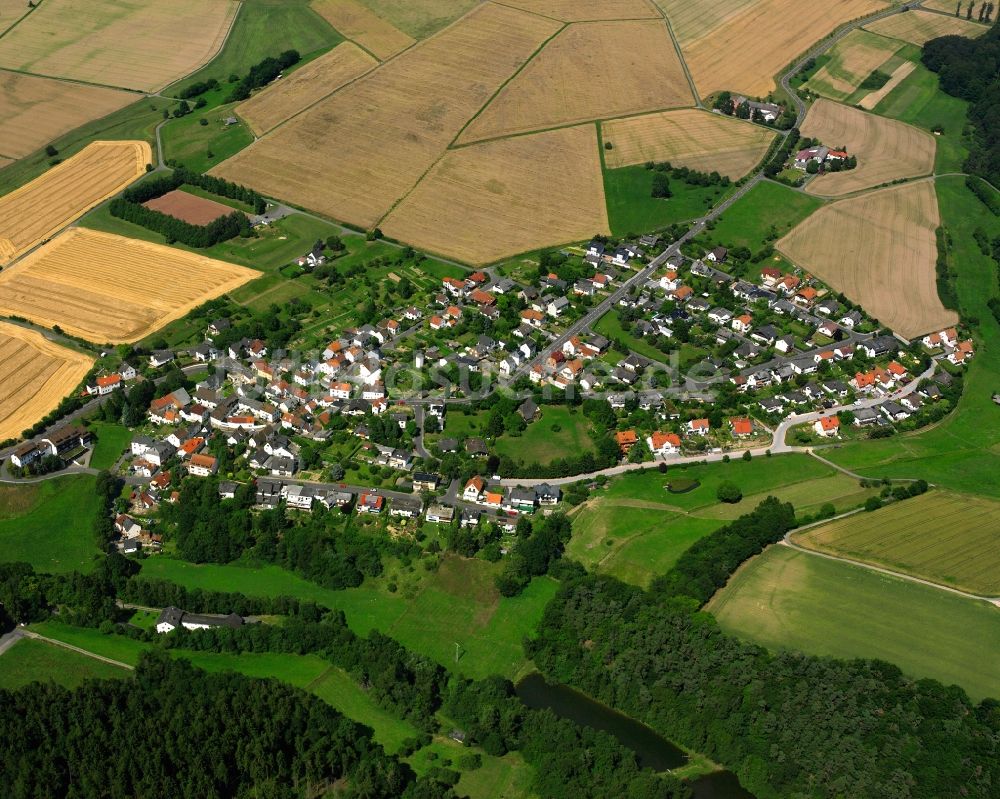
(107,288)
(879,249)
(688,137)
(39,209)
(591,70)
(492,200)
(35,375)
(286,98)
(189,207)
(360,25)
(885,148)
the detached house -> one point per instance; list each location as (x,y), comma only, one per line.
(663,444)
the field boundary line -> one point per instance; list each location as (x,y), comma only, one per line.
(78,82)
(240,9)
(55,642)
(680,57)
(18,21)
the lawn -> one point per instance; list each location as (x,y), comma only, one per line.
(784,599)
(36,661)
(266,28)
(542,443)
(200,147)
(507,777)
(429,612)
(953,539)
(111,441)
(961,452)
(919,101)
(764,214)
(631,209)
(50,524)
(610,326)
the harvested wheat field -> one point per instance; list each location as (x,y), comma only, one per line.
(108,288)
(879,249)
(741,45)
(885,148)
(591,70)
(899,74)
(39,209)
(852,60)
(10,12)
(35,375)
(588,10)
(919,27)
(135,44)
(305,86)
(492,200)
(359,24)
(34,111)
(689,137)
(420,18)
(189,207)
(355,153)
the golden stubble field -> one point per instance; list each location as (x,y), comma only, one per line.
(689,137)
(359,24)
(740,45)
(852,60)
(287,97)
(878,249)
(495,199)
(35,111)
(885,148)
(139,44)
(35,375)
(899,74)
(589,10)
(591,70)
(355,153)
(919,27)
(111,289)
(39,209)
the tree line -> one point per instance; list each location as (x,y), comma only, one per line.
(262,73)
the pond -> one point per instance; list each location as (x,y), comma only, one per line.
(652,750)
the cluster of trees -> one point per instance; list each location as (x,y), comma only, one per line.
(788,724)
(159,185)
(985,10)
(986,195)
(875,81)
(201,734)
(276,325)
(779,155)
(663,170)
(970,69)
(539,545)
(156,593)
(944,274)
(177,230)
(195,89)
(262,73)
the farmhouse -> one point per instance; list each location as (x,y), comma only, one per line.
(172,618)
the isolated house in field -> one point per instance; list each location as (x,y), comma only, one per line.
(172,618)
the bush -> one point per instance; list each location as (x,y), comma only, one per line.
(873,504)
(729,492)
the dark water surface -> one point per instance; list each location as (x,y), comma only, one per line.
(652,750)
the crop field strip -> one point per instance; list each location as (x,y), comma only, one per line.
(282,100)
(38,210)
(947,538)
(392,124)
(106,42)
(499,198)
(886,150)
(590,70)
(919,27)
(899,74)
(867,247)
(359,24)
(688,137)
(852,60)
(35,110)
(107,288)
(35,375)
(588,10)
(723,54)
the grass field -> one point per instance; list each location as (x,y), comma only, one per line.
(591,70)
(767,211)
(112,441)
(458,603)
(282,100)
(200,147)
(631,209)
(898,75)
(952,539)
(359,24)
(540,443)
(867,246)
(35,375)
(919,27)
(851,60)
(385,130)
(497,199)
(610,326)
(35,110)
(50,524)
(104,287)
(886,149)
(785,599)
(36,661)
(266,28)
(687,137)
(40,209)
(134,46)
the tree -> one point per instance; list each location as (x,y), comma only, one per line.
(661,186)
(729,492)
(812,167)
